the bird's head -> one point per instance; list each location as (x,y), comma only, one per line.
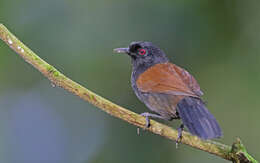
(143,54)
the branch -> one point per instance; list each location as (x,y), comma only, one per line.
(234,153)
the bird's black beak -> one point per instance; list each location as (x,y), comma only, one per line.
(122,50)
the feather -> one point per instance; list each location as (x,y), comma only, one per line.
(196,117)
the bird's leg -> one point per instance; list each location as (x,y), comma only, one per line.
(180,129)
(147,115)
(147,123)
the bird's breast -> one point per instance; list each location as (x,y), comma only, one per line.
(134,86)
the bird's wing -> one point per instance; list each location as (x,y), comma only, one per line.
(168,78)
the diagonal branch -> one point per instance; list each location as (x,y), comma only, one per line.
(234,153)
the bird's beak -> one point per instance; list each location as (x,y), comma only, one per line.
(122,50)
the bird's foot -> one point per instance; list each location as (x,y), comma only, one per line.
(178,140)
(147,122)
(147,119)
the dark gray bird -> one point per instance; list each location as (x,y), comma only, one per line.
(169,91)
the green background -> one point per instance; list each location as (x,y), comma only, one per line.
(217,41)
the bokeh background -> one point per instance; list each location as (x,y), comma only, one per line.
(217,41)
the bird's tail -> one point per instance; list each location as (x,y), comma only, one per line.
(196,117)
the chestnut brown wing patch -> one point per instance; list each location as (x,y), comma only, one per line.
(188,79)
(168,78)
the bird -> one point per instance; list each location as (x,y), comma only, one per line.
(169,91)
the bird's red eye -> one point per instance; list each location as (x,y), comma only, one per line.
(142,51)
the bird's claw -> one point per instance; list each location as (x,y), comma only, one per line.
(147,122)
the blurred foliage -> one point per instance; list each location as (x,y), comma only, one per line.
(217,41)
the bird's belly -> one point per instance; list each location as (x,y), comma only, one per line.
(163,104)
